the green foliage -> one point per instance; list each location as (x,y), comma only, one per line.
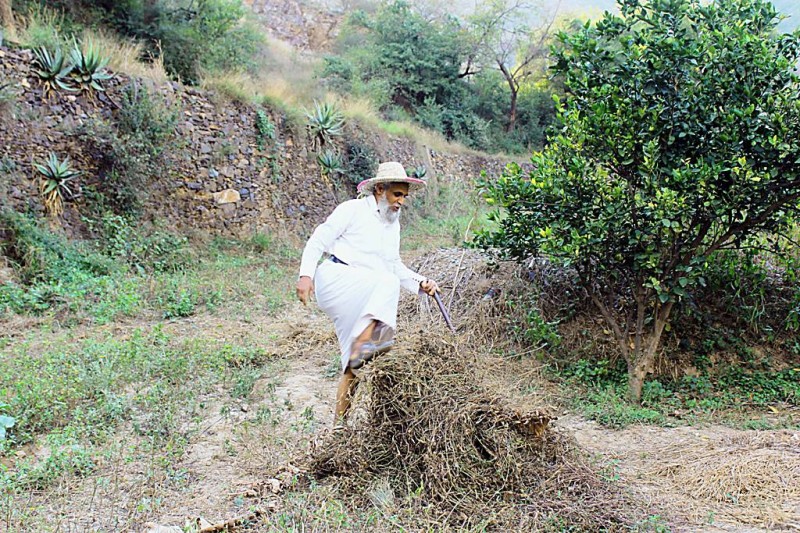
(660,162)
(324,123)
(52,69)
(730,392)
(533,330)
(54,183)
(135,149)
(52,271)
(88,67)
(179,302)
(265,129)
(330,163)
(151,251)
(409,65)
(205,35)
(361,162)
(190,36)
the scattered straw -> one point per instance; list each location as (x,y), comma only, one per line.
(749,478)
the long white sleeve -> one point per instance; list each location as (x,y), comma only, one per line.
(324,236)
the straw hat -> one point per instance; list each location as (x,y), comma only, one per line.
(388,173)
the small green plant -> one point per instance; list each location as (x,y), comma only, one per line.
(329,163)
(8,96)
(53,70)
(265,129)
(88,67)
(54,184)
(180,302)
(418,172)
(324,122)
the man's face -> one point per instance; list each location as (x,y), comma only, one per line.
(391,198)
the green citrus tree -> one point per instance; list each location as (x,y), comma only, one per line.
(680,137)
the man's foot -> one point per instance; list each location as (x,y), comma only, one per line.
(338,424)
(366,351)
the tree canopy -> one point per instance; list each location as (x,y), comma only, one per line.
(680,136)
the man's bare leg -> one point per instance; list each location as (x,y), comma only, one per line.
(344,393)
(347,385)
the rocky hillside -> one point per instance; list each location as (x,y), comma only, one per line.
(222,179)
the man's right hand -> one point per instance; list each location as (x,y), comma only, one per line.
(304,289)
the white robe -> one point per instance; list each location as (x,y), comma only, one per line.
(368,287)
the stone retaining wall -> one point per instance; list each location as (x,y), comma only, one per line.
(220,182)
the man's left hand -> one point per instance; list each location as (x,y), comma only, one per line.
(429,287)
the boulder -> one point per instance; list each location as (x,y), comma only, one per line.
(228,196)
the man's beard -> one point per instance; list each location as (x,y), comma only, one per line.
(387,213)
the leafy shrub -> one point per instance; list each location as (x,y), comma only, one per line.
(38,254)
(135,149)
(361,162)
(179,302)
(51,270)
(189,36)
(148,250)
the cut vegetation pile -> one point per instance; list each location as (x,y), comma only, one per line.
(426,425)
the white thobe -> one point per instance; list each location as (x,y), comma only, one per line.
(366,288)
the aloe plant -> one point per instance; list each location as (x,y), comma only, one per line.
(329,162)
(52,70)
(417,172)
(54,184)
(88,67)
(324,122)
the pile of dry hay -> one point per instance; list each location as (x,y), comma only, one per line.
(428,427)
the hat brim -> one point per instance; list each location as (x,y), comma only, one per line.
(369,184)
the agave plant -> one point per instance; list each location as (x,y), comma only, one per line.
(329,162)
(417,172)
(324,122)
(52,70)
(54,186)
(88,67)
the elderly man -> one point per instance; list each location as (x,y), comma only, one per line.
(358,286)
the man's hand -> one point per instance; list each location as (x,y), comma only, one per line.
(429,287)
(304,289)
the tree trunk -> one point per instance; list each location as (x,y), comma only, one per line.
(512,113)
(7,20)
(642,358)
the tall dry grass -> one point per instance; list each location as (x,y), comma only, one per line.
(128,56)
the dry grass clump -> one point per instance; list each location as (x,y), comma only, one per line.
(747,477)
(128,57)
(428,427)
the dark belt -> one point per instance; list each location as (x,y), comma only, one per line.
(336,260)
